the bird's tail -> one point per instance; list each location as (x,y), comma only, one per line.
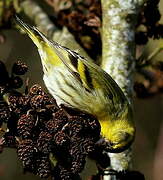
(36,36)
(44,45)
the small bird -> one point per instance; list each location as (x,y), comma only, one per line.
(79,83)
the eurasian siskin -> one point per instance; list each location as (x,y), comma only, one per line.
(77,82)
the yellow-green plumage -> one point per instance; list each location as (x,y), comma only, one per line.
(79,83)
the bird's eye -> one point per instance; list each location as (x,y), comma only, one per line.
(125,137)
(122,137)
(122,142)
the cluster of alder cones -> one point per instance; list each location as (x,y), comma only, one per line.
(51,140)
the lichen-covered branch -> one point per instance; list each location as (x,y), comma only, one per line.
(43,23)
(118,35)
(118,54)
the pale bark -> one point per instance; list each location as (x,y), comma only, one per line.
(118,55)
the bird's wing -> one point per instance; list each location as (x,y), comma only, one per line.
(41,42)
(91,76)
(55,54)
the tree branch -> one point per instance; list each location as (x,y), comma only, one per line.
(118,40)
(118,55)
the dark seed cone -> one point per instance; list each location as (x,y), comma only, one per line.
(76,125)
(25,125)
(52,126)
(58,122)
(61,139)
(19,68)
(38,101)
(43,167)
(13,100)
(84,145)
(60,117)
(9,140)
(26,150)
(5,113)
(78,152)
(65,174)
(15,82)
(78,163)
(61,173)
(52,106)
(24,103)
(87,145)
(36,90)
(44,142)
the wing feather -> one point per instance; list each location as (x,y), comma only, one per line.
(94,78)
(91,76)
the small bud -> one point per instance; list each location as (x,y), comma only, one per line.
(19,68)
(16,82)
